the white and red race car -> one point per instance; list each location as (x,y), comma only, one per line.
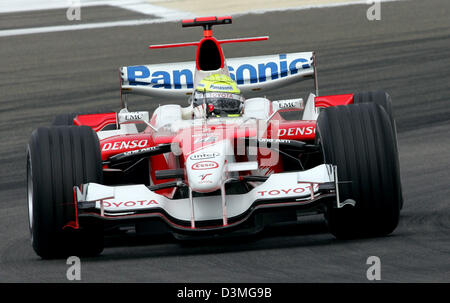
(195,178)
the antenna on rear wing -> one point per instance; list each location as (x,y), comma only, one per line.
(316,83)
(207,24)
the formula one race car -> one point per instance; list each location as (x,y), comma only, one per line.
(224,165)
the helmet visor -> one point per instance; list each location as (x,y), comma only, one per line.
(219,103)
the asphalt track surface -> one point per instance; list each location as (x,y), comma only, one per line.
(406,53)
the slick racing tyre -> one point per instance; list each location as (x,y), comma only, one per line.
(58,158)
(64,119)
(359,140)
(384,100)
(378,97)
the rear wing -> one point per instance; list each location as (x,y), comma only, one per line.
(252,74)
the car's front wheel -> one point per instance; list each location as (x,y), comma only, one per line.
(359,140)
(58,158)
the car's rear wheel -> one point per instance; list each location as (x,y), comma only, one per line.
(359,140)
(64,119)
(378,97)
(58,158)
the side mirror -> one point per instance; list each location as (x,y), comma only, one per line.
(286,106)
(133,117)
(126,117)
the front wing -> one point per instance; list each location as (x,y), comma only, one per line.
(130,202)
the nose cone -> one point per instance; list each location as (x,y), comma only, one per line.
(205,168)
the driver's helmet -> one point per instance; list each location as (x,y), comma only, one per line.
(217,96)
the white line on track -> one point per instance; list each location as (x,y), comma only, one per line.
(162,13)
(62,28)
